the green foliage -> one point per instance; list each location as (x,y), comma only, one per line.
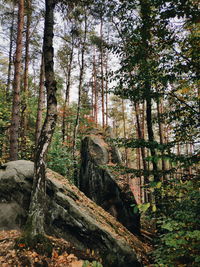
(59,156)
(5,113)
(179,225)
(93,264)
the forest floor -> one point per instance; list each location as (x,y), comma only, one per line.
(63,254)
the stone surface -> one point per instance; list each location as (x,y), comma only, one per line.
(69,214)
(99,183)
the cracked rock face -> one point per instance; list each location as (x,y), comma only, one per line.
(100,184)
(69,214)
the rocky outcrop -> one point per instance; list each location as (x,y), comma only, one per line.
(69,214)
(108,189)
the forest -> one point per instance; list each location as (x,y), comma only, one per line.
(106,94)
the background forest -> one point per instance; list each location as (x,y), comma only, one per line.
(133,66)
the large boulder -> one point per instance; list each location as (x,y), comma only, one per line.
(107,188)
(69,214)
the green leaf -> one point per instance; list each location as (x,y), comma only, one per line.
(144,207)
(168,226)
(154,208)
(159,184)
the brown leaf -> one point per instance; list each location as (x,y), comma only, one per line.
(21,245)
(71,257)
(76,264)
(55,254)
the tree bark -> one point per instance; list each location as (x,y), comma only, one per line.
(95,89)
(106,76)
(151,135)
(102,74)
(146,38)
(68,84)
(10,54)
(140,132)
(75,134)
(35,223)
(41,99)
(161,135)
(124,130)
(24,112)
(15,120)
(140,136)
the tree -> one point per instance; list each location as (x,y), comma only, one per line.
(41,99)
(35,222)
(65,56)
(15,120)
(10,52)
(80,88)
(26,76)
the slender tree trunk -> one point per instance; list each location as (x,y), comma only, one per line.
(24,112)
(75,134)
(10,53)
(140,136)
(146,38)
(41,99)
(95,90)
(34,76)
(68,84)
(124,130)
(106,75)
(102,75)
(141,179)
(144,180)
(37,207)
(151,135)
(15,120)
(161,135)
(92,98)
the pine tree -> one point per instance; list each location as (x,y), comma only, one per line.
(15,120)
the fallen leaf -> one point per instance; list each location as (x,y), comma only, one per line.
(21,245)
(71,257)
(55,254)
(76,264)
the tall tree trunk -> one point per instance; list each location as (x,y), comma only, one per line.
(95,89)
(124,130)
(146,33)
(151,135)
(161,135)
(41,99)
(76,126)
(10,53)
(102,75)
(141,180)
(24,112)
(146,38)
(106,75)
(15,120)
(140,132)
(68,84)
(140,136)
(36,211)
